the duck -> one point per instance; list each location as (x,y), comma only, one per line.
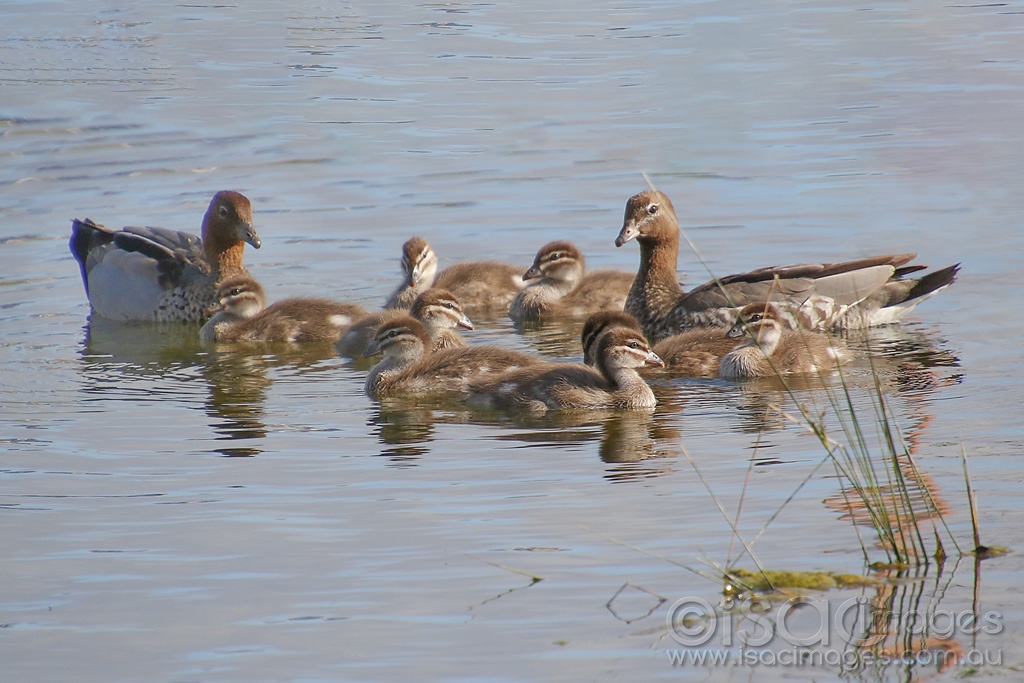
(696,352)
(409,367)
(241,315)
(773,349)
(486,285)
(558,284)
(159,274)
(438,310)
(612,383)
(847,295)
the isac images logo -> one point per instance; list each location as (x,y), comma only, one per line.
(848,635)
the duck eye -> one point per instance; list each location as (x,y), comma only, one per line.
(223,212)
(756,317)
(652,209)
(634,344)
(236,291)
(449,305)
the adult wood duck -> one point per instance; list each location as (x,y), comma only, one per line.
(159,274)
(860,293)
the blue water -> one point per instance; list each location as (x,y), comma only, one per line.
(176,513)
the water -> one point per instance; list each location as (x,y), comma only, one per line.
(173,512)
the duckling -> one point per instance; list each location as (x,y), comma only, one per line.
(487,285)
(695,352)
(159,274)
(613,382)
(771,349)
(240,316)
(419,267)
(409,367)
(860,293)
(437,309)
(560,286)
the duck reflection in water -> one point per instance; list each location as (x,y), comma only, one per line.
(165,359)
(239,378)
(406,428)
(634,444)
(238,391)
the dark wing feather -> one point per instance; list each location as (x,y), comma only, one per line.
(160,244)
(816,270)
(86,236)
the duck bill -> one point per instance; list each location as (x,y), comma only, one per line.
(415,276)
(654,360)
(465,323)
(737,330)
(371,350)
(247,234)
(213,310)
(532,274)
(629,231)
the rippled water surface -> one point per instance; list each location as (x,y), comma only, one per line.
(174,512)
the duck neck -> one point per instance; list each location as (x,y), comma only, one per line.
(629,387)
(655,290)
(391,366)
(446,338)
(404,297)
(546,290)
(768,338)
(555,288)
(217,325)
(224,256)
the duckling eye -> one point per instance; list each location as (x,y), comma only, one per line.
(236,291)
(223,212)
(755,318)
(634,344)
(652,209)
(556,256)
(449,305)
(392,334)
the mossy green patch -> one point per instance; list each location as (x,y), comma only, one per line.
(772,579)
